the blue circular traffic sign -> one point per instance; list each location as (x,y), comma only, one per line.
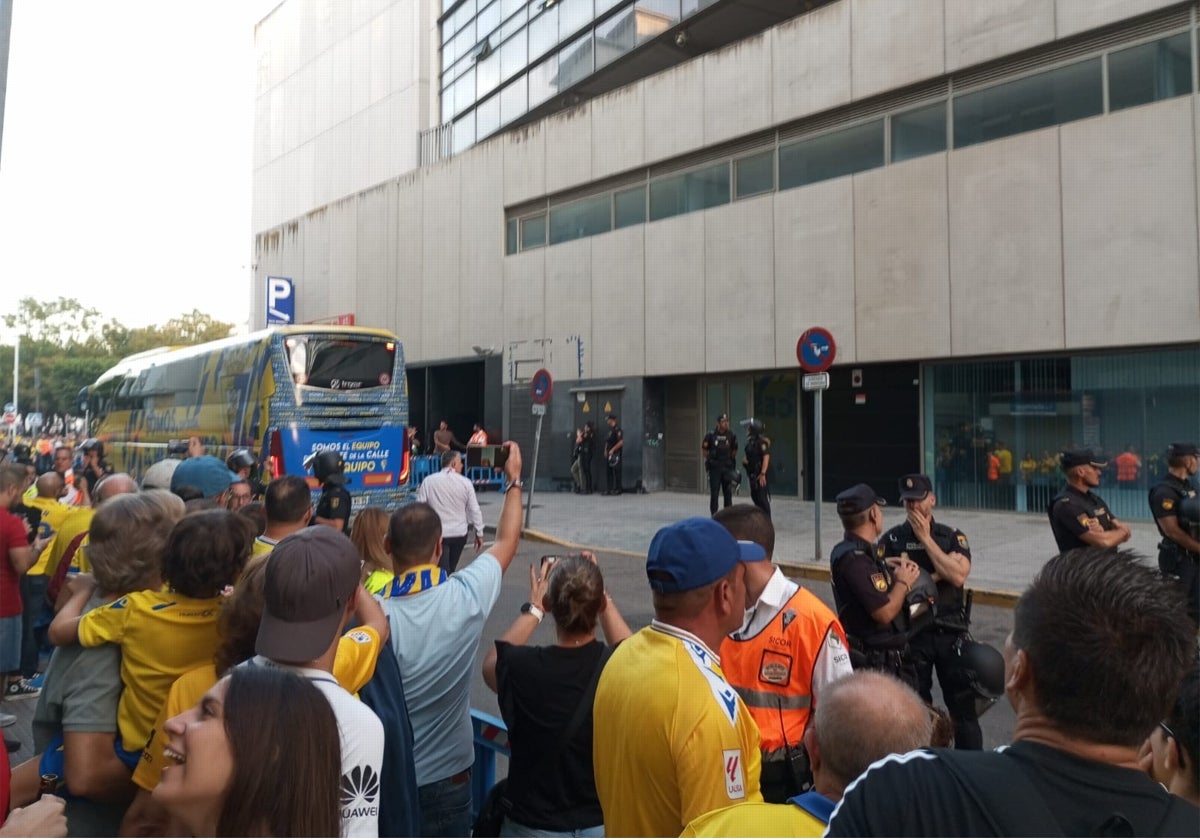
(816,350)
(541,387)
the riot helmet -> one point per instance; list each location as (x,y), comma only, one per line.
(240,459)
(327,466)
(978,671)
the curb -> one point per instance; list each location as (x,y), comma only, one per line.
(809,571)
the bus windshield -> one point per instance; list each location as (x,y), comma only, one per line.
(340,364)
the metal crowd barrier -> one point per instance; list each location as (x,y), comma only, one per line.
(491,739)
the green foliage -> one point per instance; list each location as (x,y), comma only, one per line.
(65,346)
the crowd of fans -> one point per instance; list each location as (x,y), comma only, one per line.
(222,667)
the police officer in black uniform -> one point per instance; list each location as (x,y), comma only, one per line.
(757,463)
(333,508)
(1171,502)
(1078,516)
(242,463)
(944,553)
(614,455)
(871,593)
(94,465)
(720,451)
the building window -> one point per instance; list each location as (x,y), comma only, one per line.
(487,118)
(510,236)
(573,16)
(1150,72)
(543,32)
(755,174)
(919,132)
(575,63)
(513,101)
(543,81)
(831,155)
(533,232)
(513,55)
(488,20)
(691,191)
(586,217)
(1050,98)
(629,207)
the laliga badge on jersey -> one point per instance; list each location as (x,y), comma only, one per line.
(360,636)
(776,668)
(962,540)
(880,582)
(1168,504)
(735,780)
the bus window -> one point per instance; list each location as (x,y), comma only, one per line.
(341,364)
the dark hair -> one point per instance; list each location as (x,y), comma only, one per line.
(266,749)
(127,537)
(854,521)
(256,513)
(241,613)
(287,499)
(575,594)
(749,522)
(1107,640)
(1184,720)
(206,552)
(188,492)
(413,531)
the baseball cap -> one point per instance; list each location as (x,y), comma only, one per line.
(206,473)
(915,487)
(694,553)
(1078,457)
(310,577)
(1181,450)
(158,475)
(858,498)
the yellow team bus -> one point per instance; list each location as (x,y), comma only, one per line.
(284,393)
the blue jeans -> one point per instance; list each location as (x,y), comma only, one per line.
(515,829)
(446,806)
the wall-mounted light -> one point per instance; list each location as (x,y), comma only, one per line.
(681,39)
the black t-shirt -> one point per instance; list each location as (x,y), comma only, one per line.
(1166,497)
(862,582)
(539,689)
(1024,790)
(757,449)
(334,504)
(615,434)
(1070,512)
(901,539)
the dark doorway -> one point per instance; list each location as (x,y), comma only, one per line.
(453,392)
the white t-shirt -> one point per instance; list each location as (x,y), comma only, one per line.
(362,751)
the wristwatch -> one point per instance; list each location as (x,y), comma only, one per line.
(529,609)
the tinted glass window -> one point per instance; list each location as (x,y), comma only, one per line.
(1051,98)
(755,174)
(831,155)
(586,217)
(1150,72)
(689,192)
(629,207)
(533,232)
(341,364)
(510,236)
(921,131)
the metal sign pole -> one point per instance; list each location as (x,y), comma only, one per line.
(537,444)
(819,482)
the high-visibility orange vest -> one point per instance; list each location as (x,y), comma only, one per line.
(993,468)
(773,670)
(1127,466)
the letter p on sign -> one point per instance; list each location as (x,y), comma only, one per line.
(281,301)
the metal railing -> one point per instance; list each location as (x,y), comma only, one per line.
(491,739)
(436,144)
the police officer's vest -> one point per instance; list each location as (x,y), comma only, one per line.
(889,635)
(773,670)
(720,453)
(754,455)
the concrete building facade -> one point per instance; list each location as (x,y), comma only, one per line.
(991,206)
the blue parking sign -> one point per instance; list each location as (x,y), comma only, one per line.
(281,301)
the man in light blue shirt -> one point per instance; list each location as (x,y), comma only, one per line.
(436,622)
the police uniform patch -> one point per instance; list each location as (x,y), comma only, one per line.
(1168,504)
(334,502)
(880,582)
(879,551)
(776,668)
(962,540)
(1083,519)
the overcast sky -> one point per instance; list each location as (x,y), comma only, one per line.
(125,171)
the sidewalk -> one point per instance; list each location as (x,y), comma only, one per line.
(1007,548)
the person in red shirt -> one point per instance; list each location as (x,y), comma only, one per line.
(1128,466)
(16,556)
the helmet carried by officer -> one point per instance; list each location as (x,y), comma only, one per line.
(978,670)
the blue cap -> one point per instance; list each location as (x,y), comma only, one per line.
(695,553)
(207,474)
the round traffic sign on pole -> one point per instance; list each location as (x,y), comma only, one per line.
(816,350)
(541,387)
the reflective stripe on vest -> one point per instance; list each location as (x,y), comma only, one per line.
(773,670)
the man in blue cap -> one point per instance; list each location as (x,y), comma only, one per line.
(672,739)
(872,592)
(1078,517)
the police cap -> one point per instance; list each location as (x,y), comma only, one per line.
(858,498)
(1182,450)
(1081,457)
(915,487)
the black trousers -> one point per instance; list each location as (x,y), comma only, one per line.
(452,549)
(614,476)
(761,496)
(932,649)
(718,483)
(1174,562)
